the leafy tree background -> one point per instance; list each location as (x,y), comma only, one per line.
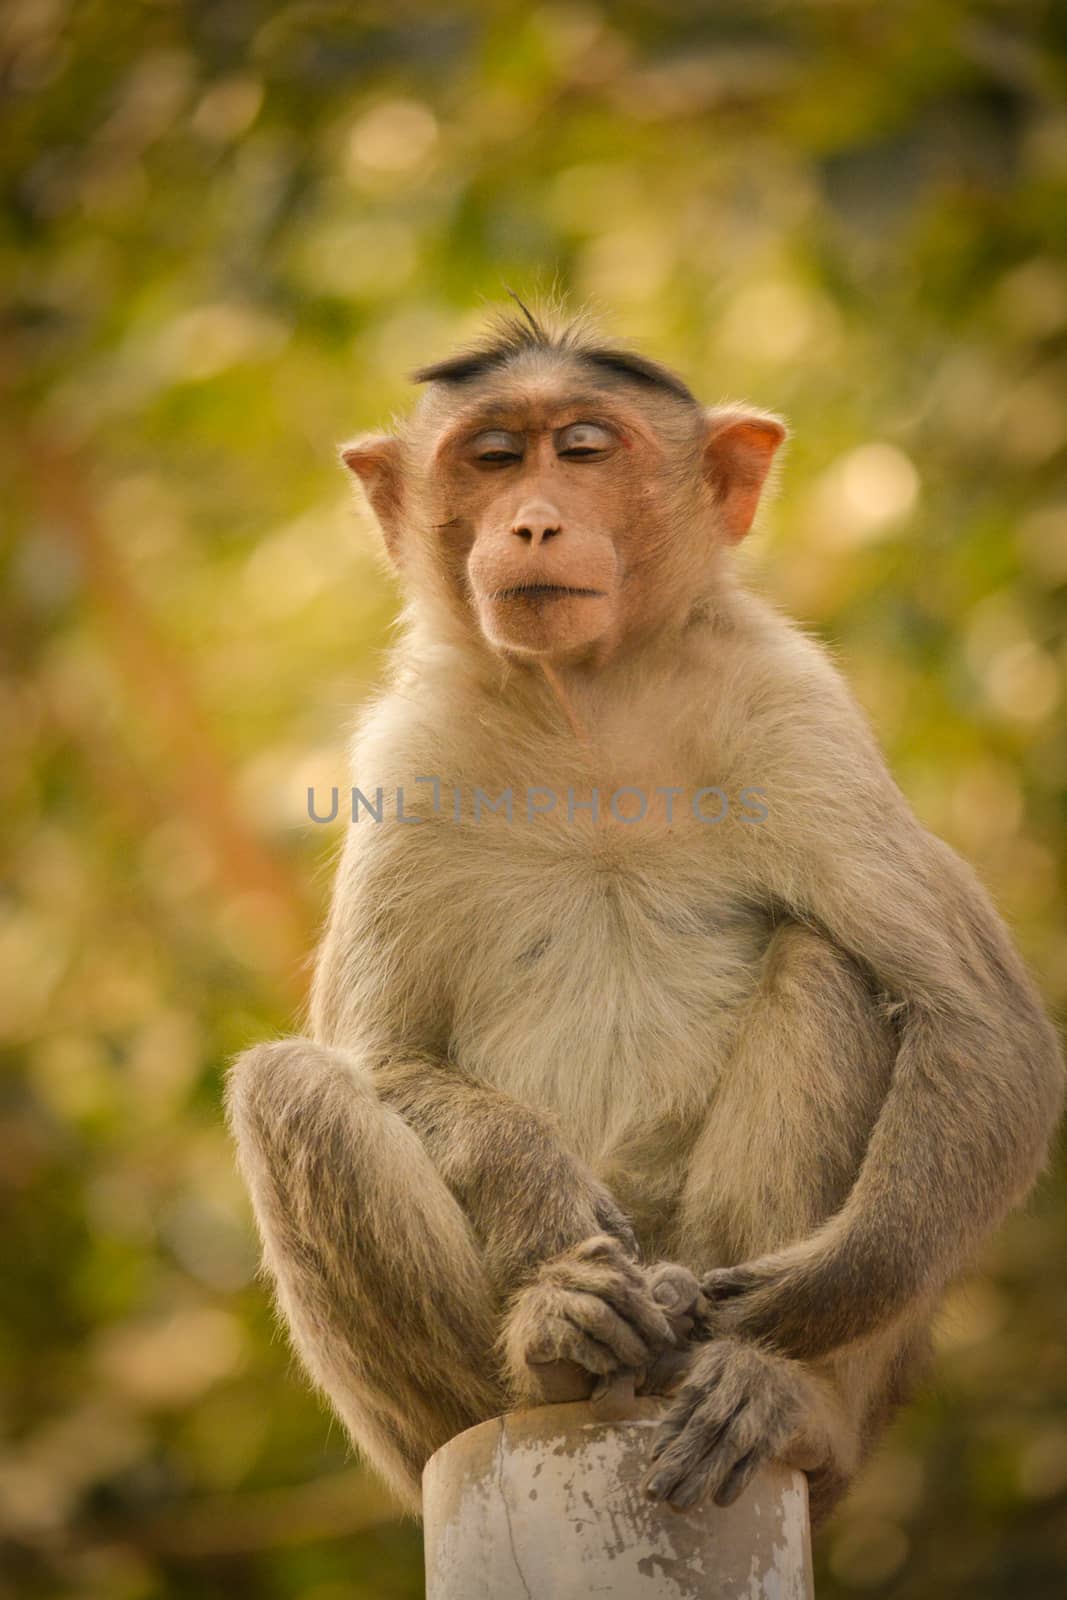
(228,230)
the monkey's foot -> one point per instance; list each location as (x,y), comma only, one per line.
(592,1306)
(738,1409)
(680,1297)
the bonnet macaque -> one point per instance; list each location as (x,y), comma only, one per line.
(650,1032)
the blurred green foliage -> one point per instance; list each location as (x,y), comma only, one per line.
(228,230)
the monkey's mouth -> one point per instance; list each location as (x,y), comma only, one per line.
(547,591)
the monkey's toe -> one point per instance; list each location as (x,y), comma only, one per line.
(677,1291)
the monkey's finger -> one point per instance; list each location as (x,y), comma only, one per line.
(590,1353)
(562,1338)
(607,1259)
(722,1473)
(664,1481)
(595,1317)
(676,1421)
(674,1424)
(654,1328)
(724,1283)
(686,1491)
(665,1436)
(570,1346)
(738,1478)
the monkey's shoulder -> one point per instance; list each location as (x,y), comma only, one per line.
(773,705)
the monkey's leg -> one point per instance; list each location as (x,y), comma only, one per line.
(375,1267)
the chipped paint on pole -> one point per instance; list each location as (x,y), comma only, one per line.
(547,1504)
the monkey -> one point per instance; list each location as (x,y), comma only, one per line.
(586,1093)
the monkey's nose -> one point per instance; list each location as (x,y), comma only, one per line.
(537,523)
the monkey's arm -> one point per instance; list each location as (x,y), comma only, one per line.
(977,1082)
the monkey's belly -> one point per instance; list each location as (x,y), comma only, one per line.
(608,998)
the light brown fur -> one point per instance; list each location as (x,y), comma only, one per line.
(799,1059)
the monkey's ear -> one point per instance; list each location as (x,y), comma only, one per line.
(375,460)
(739,446)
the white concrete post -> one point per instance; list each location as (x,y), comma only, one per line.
(546,1504)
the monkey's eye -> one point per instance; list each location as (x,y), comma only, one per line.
(497,448)
(584,441)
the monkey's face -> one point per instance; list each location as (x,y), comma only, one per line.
(545,512)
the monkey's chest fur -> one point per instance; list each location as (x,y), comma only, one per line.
(605,980)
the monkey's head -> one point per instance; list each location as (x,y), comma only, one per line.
(560,495)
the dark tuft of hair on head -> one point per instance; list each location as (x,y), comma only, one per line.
(512,334)
(628,364)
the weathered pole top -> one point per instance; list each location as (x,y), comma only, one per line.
(548,1504)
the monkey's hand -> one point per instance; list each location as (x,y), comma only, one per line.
(591,1308)
(791,1299)
(739,1408)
